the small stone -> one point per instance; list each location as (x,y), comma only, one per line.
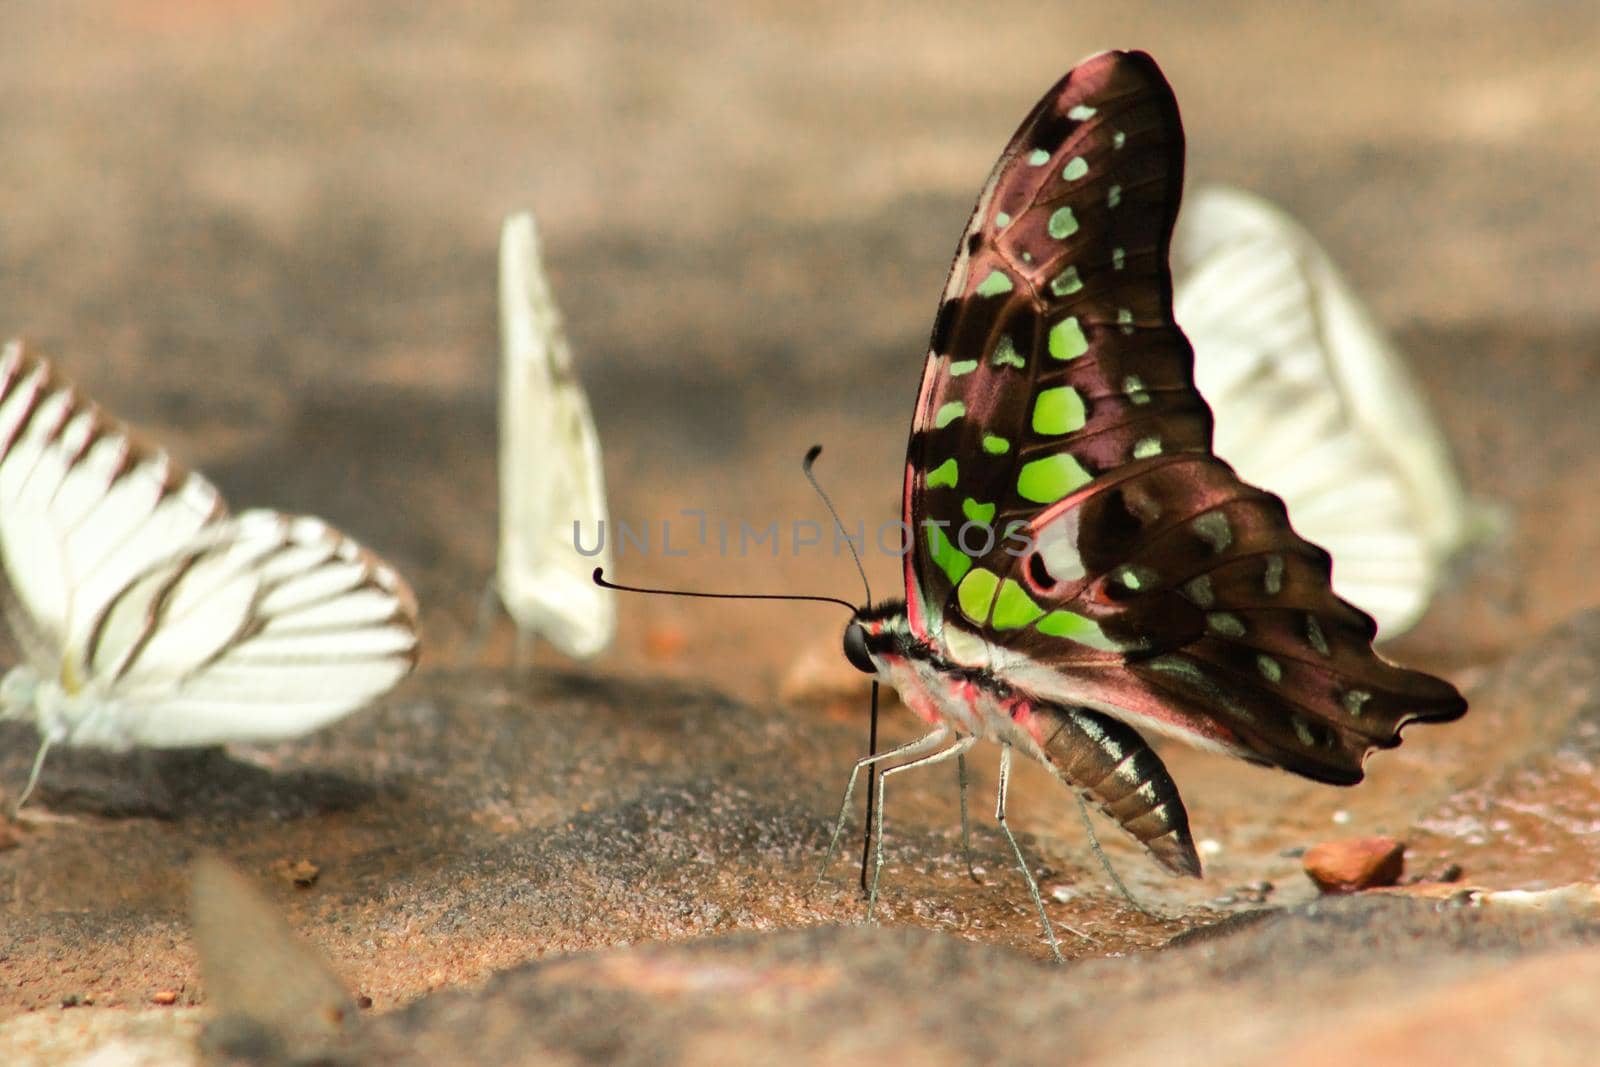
(1356,864)
(1341,818)
(302,873)
(1452,873)
(1208,846)
(1293,853)
(164,997)
(1062,893)
(363,1002)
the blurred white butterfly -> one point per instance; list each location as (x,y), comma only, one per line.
(149,617)
(551,478)
(1314,403)
(265,985)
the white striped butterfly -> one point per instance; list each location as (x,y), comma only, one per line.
(1083,567)
(148,616)
(552,481)
(1315,404)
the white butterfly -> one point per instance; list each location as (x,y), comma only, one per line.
(552,483)
(149,617)
(1313,402)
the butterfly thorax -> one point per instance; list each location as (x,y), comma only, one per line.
(79,716)
(969,700)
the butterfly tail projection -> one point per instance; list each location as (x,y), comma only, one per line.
(1110,763)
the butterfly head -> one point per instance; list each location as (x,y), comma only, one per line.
(17,690)
(874,632)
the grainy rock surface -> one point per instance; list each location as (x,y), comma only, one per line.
(265,234)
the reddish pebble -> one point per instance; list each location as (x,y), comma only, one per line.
(166,996)
(1357,864)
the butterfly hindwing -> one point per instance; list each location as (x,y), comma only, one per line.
(268,626)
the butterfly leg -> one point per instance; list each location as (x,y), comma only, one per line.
(485,622)
(966,823)
(33,775)
(956,750)
(911,748)
(1033,885)
(1105,862)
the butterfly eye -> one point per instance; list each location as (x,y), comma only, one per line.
(855,648)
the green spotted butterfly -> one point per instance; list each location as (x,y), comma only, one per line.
(1153,590)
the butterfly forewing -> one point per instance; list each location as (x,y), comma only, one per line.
(84,507)
(552,480)
(1314,402)
(1054,358)
(1146,580)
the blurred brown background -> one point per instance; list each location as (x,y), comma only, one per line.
(265,232)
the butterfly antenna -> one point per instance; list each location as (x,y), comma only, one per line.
(604,583)
(811,458)
(872,730)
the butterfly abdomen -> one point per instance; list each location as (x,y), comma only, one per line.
(1111,764)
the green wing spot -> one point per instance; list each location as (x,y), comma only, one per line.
(964,366)
(995,284)
(948,413)
(1135,577)
(976,593)
(1133,388)
(1213,528)
(1057,411)
(1075,169)
(1270,668)
(1075,627)
(1355,701)
(1063,223)
(1118,139)
(1013,608)
(995,446)
(1001,220)
(1119,258)
(1199,590)
(1081,112)
(946,556)
(1273,579)
(1067,340)
(1114,197)
(1038,157)
(1315,636)
(1146,447)
(1006,355)
(1044,481)
(944,475)
(1066,283)
(982,514)
(1225,623)
(1125,320)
